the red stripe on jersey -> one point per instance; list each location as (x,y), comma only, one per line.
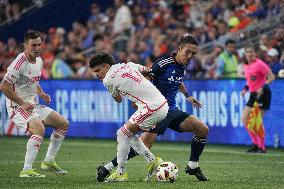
(20,62)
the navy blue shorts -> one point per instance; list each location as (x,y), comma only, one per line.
(172,121)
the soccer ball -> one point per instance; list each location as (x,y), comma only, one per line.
(167,172)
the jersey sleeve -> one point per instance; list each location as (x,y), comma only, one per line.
(139,67)
(156,69)
(263,68)
(15,69)
(111,88)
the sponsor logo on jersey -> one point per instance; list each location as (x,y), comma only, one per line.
(34,79)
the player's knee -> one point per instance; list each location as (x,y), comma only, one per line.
(65,124)
(205,130)
(40,130)
(202,130)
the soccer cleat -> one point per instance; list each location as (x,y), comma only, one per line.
(30,173)
(102,173)
(253,149)
(261,151)
(116,177)
(52,166)
(152,168)
(197,172)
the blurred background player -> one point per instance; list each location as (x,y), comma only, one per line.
(258,76)
(126,80)
(21,85)
(168,73)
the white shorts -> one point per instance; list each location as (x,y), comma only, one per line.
(21,117)
(146,118)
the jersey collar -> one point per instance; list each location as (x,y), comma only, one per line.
(173,55)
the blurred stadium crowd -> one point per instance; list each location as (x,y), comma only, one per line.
(143,30)
(12,9)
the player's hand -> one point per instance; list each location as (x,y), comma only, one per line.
(46,98)
(194,102)
(28,107)
(147,75)
(134,105)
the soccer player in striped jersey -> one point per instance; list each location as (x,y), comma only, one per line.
(127,80)
(21,85)
(168,73)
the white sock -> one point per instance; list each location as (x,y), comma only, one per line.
(54,145)
(192,164)
(109,166)
(123,148)
(137,144)
(32,150)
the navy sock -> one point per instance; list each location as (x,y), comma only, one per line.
(197,146)
(131,154)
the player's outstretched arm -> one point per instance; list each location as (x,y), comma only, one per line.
(43,95)
(191,99)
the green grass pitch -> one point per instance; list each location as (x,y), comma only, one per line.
(226,166)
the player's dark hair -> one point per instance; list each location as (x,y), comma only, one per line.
(101,58)
(31,35)
(230,41)
(187,39)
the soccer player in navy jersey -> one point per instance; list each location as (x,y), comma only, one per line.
(168,73)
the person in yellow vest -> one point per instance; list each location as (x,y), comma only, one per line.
(227,62)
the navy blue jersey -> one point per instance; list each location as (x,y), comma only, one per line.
(168,76)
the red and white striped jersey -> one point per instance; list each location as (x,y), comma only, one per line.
(24,76)
(127,80)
